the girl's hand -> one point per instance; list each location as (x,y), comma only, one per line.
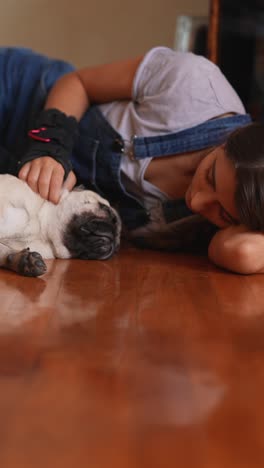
(45,176)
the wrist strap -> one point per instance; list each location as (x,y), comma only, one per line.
(54,135)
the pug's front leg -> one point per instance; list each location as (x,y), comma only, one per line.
(24,262)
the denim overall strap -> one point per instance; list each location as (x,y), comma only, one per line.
(210,133)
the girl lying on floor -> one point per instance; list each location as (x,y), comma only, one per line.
(164,137)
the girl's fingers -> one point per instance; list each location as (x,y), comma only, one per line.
(45,176)
(44,181)
(33,177)
(55,186)
(70,182)
(23,173)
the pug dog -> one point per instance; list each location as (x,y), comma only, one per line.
(82,225)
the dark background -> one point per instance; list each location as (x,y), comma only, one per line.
(241,56)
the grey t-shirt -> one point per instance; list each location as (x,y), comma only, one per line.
(172,91)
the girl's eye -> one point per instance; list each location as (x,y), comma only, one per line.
(224,217)
(209,176)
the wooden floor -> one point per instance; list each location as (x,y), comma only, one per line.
(148,360)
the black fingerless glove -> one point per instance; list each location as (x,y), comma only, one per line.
(54,135)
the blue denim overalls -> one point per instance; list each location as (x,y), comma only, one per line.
(27,77)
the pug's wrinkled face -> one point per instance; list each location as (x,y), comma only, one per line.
(90,226)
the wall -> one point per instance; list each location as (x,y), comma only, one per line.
(88,32)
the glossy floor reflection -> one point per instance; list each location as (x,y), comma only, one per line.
(147,360)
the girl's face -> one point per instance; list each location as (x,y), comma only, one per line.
(211,192)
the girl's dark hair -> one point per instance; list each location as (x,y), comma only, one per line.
(245,148)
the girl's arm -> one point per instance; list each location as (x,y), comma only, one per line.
(237,249)
(72,94)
